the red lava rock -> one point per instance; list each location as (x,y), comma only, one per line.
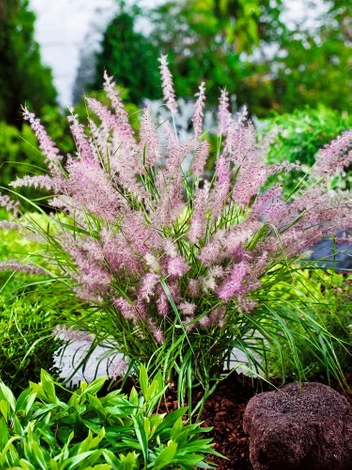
(302,426)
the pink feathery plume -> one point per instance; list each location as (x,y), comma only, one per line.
(159,335)
(128,310)
(200,158)
(194,288)
(187,309)
(117,104)
(177,266)
(9,205)
(224,115)
(334,156)
(120,255)
(118,369)
(167,84)
(101,138)
(198,221)
(111,122)
(83,143)
(199,112)
(149,139)
(8,225)
(222,188)
(211,253)
(90,185)
(139,234)
(15,265)
(70,334)
(240,138)
(38,181)
(162,304)
(234,283)
(51,153)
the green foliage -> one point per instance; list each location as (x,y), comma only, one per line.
(226,44)
(329,296)
(19,155)
(38,430)
(195,40)
(130,57)
(28,316)
(23,78)
(26,343)
(304,132)
(301,135)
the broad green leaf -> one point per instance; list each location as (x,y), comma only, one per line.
(134,397)
(142,439)
(25,401)
(190,459)
(172,418)
(48,386)
(25,465)
(130,461)
(100,466)
(143,379)
(111,458)
(4,434)
(147,428)
(4,409)
(39,455)
(6,394)
(72,462)
(96,404)
(166,456)
(176,429)
(95,386)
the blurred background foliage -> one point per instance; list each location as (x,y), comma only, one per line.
(23,77)
(296,76)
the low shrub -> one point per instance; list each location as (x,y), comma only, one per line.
(328,296)
(30,309)
(26,343)
(300,136)
(39,431)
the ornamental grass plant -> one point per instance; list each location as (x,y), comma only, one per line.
(177,264)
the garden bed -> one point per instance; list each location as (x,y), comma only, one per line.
(224,411)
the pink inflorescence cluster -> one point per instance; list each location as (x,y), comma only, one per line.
(154,240)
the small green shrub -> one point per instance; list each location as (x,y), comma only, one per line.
(28,316)
(329,297)
(301,135)
(26,344)
(39,431)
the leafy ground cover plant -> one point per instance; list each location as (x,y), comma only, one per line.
(28,314)
(180,266)
(38,430)
(26,344)
(329,297)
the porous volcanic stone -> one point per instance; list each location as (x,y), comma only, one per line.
(303,426)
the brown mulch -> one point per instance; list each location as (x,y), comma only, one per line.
(224,411)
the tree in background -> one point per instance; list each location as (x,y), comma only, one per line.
(23,78)
(130,57)
(314,64)
(238,44)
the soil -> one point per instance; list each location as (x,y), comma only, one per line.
(224,411)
